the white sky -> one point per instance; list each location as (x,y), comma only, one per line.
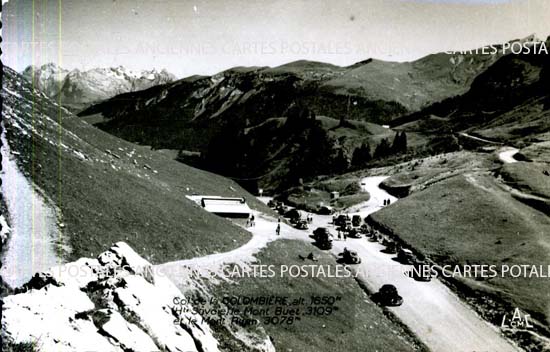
(206,36)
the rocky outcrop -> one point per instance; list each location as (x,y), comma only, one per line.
(116,302)
(80,88)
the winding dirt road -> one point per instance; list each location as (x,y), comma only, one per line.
(506,154)
(430,309)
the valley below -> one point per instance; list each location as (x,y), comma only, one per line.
(141,220)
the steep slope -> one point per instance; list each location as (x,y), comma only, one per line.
(472,219)
(508,102)
(371,90)
(77,89)
(139,196)
(116,302)
(413,84)
(108,190)
(202,115)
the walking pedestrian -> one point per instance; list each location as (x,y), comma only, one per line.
(252,220)
(278,231)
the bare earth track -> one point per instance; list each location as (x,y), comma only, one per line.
(430,309)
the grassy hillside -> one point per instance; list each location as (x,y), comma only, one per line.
(531,178)
(358,324)
(109,190)
(413,84)
(194,114)
(418,174)
(507,102)
(472,219)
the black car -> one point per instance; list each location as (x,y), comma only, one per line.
(420,272)
(301,225)
(388,296)
(321,233)
(293,213)
(350,257)
(406,256)
(323,238)
(353,233)
(325,210)
(391,247)
(356,220)
(341,220)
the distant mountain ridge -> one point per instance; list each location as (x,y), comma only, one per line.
(76,88)
(118,171)
(263,112)
(371,90)
(509,101)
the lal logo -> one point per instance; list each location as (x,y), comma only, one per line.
(516,321)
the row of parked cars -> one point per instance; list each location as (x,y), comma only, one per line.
(346,220)
(355,227)
(278,205)
(387,295)
(407,257)
(293,214)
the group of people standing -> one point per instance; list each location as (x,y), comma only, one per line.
(342,235)
(387,201)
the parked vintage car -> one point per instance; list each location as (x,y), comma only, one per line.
(388,296)
(391,247)
(353,233)
(325,210)
(356,220)
(301,225)
(406,256)
(350,257)
(420,272)
(323,238)
(366,230)
(293,214)
(341,220)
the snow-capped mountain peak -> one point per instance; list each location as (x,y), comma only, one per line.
(80,88)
